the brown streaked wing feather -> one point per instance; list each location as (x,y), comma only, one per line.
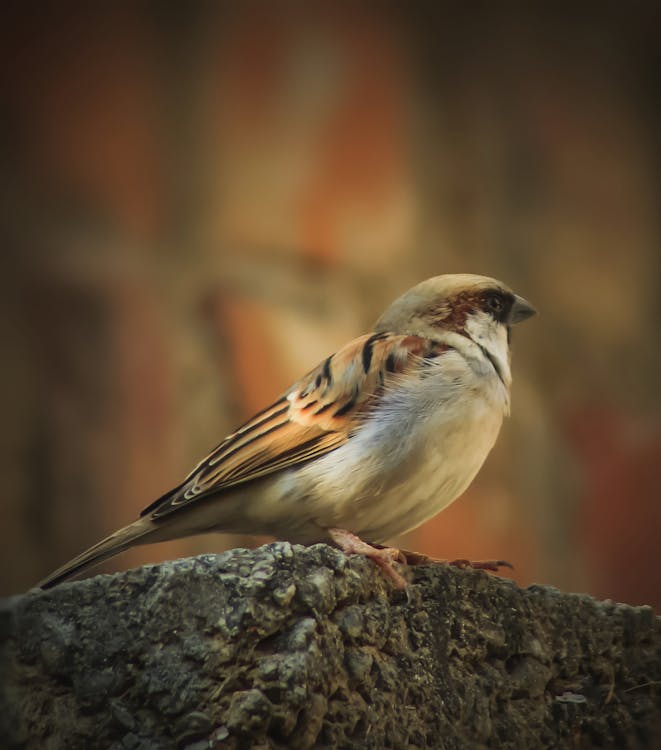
(317,415)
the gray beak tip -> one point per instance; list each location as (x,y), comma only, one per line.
(521,310)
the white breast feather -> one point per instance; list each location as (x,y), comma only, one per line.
(416,454)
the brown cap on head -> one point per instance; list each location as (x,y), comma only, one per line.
(440,296)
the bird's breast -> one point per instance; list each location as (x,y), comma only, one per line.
(417,452)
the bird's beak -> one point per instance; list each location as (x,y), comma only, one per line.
(521,310)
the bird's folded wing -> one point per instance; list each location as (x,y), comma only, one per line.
(316,415)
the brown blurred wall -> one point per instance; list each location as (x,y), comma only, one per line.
(199,201)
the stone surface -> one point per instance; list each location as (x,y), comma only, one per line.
(292,647)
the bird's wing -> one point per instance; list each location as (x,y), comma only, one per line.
(316,415)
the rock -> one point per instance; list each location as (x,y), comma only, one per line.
(294,647)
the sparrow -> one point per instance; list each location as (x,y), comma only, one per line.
(375,440)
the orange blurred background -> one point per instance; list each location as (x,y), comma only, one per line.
(199,201)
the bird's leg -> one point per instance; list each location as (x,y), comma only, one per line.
(384,557)
(417,558)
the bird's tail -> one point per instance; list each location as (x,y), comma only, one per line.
(144,530)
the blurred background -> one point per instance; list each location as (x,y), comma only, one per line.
(200,200)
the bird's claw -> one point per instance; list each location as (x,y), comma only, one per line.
(418,558)
(384,557)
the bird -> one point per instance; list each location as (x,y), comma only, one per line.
(379,437)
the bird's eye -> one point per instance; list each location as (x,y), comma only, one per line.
(495,303)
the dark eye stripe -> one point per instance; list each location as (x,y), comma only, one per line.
(498,304)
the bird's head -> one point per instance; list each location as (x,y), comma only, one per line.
(477,307)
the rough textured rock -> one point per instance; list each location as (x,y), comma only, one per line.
(288,647)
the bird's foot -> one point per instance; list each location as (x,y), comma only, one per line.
(384,557)
(417,558)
